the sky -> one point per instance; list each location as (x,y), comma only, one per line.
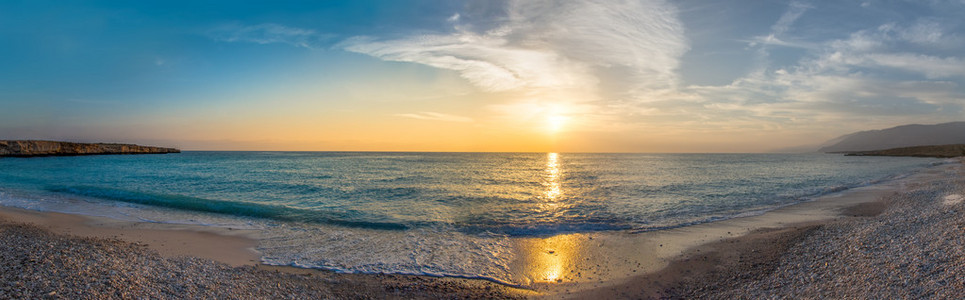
(489,75)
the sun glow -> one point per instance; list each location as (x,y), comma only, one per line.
(555,122)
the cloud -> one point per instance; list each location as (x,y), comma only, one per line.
(267,33)
(550,45)
(484,60)
(884,75)
(454,18)
(930,66)
(886,49)
(619,61)
(923,32)
(434,116)
(613,66)
(794,12)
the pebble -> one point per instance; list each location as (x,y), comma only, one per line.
(38,264)
(915,249)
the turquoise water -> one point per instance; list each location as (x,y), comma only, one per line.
(314,207)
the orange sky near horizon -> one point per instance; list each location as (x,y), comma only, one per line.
(478,76)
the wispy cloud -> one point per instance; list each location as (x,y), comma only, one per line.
(795,11)
(434,116)
(267,33)
(485,60)
(889,71)
(542,45)
(931,66)
(613,65)
(582,61)
(882,48)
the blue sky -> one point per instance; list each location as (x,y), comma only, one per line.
(628,76)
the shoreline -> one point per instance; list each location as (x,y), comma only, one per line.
(611,261)
(726,268)
(667,261)
(906,245)
(191,252)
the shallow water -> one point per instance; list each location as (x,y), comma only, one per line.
(455,214)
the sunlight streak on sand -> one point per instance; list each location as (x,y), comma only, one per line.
(552,259)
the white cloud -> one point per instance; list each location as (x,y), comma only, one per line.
(453,18)
(795,11)
(267,33)
(485,60)
(773,40)
(881,49)
(434,116)
(889,75)
(614,65)
(930,66)
(924,32)
(550,45)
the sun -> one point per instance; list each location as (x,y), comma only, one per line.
(545,118)
(555,122)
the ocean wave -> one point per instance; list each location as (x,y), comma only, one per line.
(235,208)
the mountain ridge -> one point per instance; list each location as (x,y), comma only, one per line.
(910,135)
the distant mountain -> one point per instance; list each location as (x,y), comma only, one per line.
(898,137)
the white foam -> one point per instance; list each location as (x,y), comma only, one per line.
(426,251)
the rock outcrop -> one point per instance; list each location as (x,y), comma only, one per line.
(27,148)
(944,151)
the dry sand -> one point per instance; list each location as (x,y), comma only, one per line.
(708,260)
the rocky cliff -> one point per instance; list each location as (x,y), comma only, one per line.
(52,148)
(944,151)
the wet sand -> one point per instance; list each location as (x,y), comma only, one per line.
(680,262)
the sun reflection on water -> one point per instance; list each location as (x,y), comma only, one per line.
(552,259)
(553,174)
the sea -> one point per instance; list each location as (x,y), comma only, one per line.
(440,214)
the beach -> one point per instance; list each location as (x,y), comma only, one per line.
(902,238)
(61,256)
(639,149)
(913,249)
(908,241)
